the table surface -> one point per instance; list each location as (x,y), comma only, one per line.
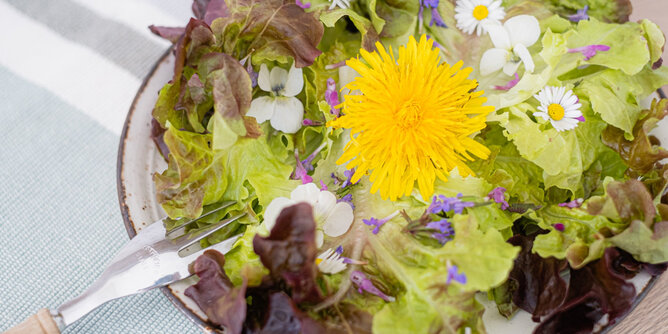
(74,66)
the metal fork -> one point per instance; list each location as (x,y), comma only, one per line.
(153,258)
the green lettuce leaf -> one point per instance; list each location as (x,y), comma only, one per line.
(646,244)
(606,10)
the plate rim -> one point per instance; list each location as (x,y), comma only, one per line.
(189,313)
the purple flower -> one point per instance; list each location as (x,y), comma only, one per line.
(581,119)
(300,172)
(365,284)
(378,222)
(580,15)
(436,45)
(445,230)
(347,199)
(332,97)
(310,122)
(454,276)
(498,195)
(308,162)
(446,204)
(559,227)
(589,50)
(576,203)
(349,175)
(339,250)
(251,72)
(435,15)
(323,186)
(510,84)
(303,5)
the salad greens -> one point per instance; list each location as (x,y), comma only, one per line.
(493,149)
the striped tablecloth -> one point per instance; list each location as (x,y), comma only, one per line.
(69,70)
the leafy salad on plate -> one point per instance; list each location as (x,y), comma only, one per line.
(398,162)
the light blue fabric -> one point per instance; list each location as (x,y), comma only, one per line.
(60,221)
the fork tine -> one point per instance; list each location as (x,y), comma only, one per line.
(181,229)
(197,236)
(223,247)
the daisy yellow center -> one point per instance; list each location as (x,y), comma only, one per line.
(480,12)
(413,121)
(556,111)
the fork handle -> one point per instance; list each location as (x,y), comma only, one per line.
(39,323)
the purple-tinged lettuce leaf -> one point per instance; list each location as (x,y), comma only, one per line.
(198,35)
(274,29)
(172,34)
(642,153)
(209,10)
(289,252)
(223,303)
(540,288)
(285,318)
(594,291)
(625,201)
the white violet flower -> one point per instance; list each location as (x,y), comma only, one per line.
(331,218)
(511,41)
(284,111)
(560,107)
(339,3)
(472,15)
(330,262)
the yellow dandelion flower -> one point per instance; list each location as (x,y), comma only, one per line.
(413,120)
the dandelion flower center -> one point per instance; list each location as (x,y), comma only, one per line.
(414,120)
(409,115)
(480,12)
(556,111)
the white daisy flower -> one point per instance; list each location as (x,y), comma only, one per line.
(284,111)
(560,107)
(332,219)
(511,42)
(330,262)
(472,15)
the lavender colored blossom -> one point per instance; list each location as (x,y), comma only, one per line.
(437,19)
(339,250)
(300,172)
(590,50)
(454,276)
(446,204)
(379,222)
(498,195)
(576,203)
(349,175)
(581,119)
(510,84)
(310,122)
(580,15)
(559,227)
(323,186)
(435,15)
(347,199)
(332,97)
(308,162)
(365,284)
(446,232)
(303,5)
(436,45)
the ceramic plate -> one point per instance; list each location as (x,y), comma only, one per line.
(139,159)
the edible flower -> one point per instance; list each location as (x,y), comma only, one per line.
(510,84)
(454,276)
(473,15)
(511,41)
(303,5)
(590,50)
(560,107)
(301,173)
(446,204)
(339,3)
(435,15)
(283,110)
(365,284)
(332,97)
(346,260)
(347,199)
(332,218)
(330,262)
(379,222)
(445,230)
(498,195)
(580,15)
(559,227)
(412,114)
(308,162)
(576,203)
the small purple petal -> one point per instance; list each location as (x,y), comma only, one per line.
(349,175)
(498,195)
(581,119)
(339,250)
(310,122)
(510,84)
(576,203)
(300,172)
(323,186)
(430,3)
(303,5)
(446,204)
(589,51)
(559,227)
(332,97)
(365,284)
(436,18)
(580,15)
(454,276)
(379,222)
(436,45)
(347,199)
